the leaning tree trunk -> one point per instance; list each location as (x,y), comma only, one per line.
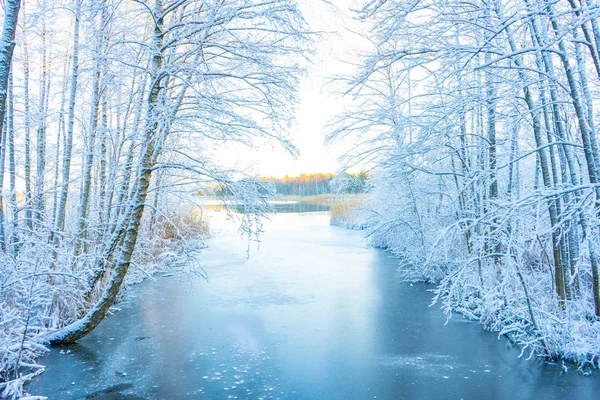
(90,321)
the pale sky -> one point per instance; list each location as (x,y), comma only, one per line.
(317,104)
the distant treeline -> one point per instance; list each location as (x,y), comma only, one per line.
(319,183)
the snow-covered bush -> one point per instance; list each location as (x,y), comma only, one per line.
(348,211)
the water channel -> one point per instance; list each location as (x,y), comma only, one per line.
(313,314)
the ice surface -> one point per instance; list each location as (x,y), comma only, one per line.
(313,314)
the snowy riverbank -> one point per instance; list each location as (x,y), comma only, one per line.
(513,299)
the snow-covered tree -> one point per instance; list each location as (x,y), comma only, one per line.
(478,118)
(127,105)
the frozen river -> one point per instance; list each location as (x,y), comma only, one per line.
(314,314)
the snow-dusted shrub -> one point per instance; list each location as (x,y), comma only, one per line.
(27,306)
(403,220)
(348,211)
(173,231)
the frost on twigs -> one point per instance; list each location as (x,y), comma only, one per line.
(247,201)
(24,296)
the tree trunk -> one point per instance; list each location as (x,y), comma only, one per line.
(14,237)
(39,196)
(27,126)
(2,216)
(11,14)
(559,270)
(87,168)
(148,156)
(7,46)
(588,136)
(68,148)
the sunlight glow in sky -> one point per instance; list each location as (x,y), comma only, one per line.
(317,103)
